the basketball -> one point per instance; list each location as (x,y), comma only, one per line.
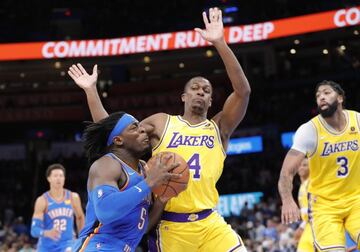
(172,187)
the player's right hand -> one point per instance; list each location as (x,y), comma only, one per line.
(53,234)
(214,28)
(157,171)
(82,78)
(289,212)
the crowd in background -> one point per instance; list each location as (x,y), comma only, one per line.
(259,226)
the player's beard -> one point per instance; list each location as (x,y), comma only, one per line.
(329,111)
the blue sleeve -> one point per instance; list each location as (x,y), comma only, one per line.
(37,228)
(111,204)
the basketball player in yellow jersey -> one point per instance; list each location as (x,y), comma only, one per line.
(331,143)
(303,233)
(189,222)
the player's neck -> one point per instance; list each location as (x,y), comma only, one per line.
(57,193)
(128,159)
(337,121)
(193,118)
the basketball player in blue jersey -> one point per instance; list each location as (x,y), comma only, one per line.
(189,222)
(118,192)
(53,218)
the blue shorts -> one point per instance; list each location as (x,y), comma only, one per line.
(98,243)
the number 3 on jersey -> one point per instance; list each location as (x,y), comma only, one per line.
(343,170)
(194,164)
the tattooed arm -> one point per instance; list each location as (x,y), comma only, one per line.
(289,211)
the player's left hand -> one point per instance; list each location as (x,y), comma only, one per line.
(214,30)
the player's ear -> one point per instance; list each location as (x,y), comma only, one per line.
(118,140)
(340,99)
(210,102)
(183,97)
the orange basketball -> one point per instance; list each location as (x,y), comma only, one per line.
(172,187)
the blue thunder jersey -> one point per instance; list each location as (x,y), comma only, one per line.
(59,215)
(120,235)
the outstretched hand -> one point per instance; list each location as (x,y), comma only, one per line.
(214,30)
(81,77)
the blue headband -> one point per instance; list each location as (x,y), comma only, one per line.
(123,122)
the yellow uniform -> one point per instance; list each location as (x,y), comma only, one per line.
(334,199)
(189,222)
(306,242)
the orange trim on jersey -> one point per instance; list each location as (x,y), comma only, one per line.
(138,173)
(127,180)
(122,161)
(87,240)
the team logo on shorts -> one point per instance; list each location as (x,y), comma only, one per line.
(193,217)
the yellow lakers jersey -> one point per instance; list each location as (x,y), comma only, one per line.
(335,164)
(303,200)
(200,145)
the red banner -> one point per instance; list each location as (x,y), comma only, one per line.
(180,40)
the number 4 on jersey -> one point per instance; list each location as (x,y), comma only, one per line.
(194,164)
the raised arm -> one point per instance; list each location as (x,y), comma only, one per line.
(290,211)
(88,84)
(79,213)
(236,104)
